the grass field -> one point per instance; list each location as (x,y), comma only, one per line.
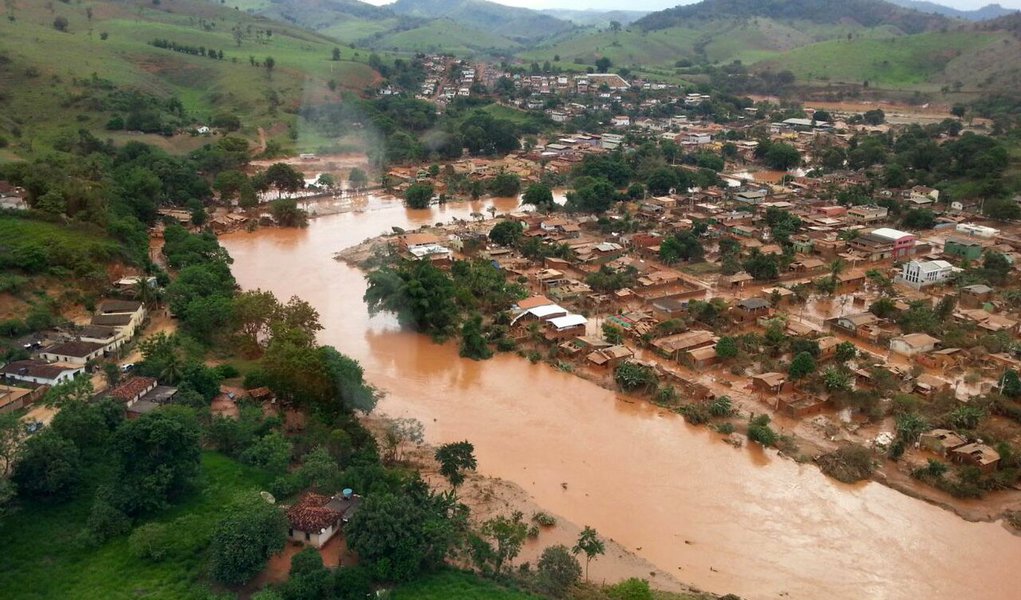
(456,585)
(894,62)
(61,245)
(42,560)
(814,52)
(446,36)
(39,65)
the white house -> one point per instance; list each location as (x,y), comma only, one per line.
(621,121)
(697,139)
(127,315)
(39,372)
(977,230)
(913,343)
(315,518)
(110,337)
(73,353)
(921,273)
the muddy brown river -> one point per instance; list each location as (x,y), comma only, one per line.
(723,519)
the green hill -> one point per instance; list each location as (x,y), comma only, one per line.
(519,24)
(905,61)
(442,36)
(346,20)
(70,66)
(867,13)
(819,49)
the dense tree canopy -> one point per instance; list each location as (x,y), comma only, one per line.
(251,531)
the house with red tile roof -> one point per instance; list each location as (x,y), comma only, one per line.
(316,518)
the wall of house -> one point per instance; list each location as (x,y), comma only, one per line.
(312,539)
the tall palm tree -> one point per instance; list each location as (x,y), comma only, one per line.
(173,369)
(144,292)
(837,267)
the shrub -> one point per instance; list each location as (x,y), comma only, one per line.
(759,431)
(104,522)
(558,570)
(848,464)
(696,414)
(151,542)
(544,519)
(227,371)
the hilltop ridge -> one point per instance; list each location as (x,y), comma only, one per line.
(866,13)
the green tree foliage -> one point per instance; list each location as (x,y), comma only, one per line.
(630,589)
(484,134)
(632,377)
(836,379)
(505,185)
(455,458)
(418,195)
(683,245)
(996,267)
(285,178)
(607,279)
(611,167)
(782,224)
(158,455)
(421,295)
(762,267)
(919,317)
(590,544)
(846,351)
(502,538)
(400,535)
(1001,209)
(251,532)
(1010,384)
(760,432)
(802,366)
(849,463)
(726,347)
(10,444)
(591,195)
(473,343)
(918,218)
(721,406)
(73,391)
(909,427)
(612,334)
(558,570)
(540,196)
(884,308)
(506,233)
(88,425)
(782,157)
(49,468)
(874,117)
(357,178)
(661,181)
(286,213)
(272,453)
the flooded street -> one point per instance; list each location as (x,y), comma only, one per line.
(723,519)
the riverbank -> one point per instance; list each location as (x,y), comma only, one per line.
(488,497)
(636,472)
(803,440)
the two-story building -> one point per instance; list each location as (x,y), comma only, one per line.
(922,273)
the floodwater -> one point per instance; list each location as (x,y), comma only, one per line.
(724,519)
